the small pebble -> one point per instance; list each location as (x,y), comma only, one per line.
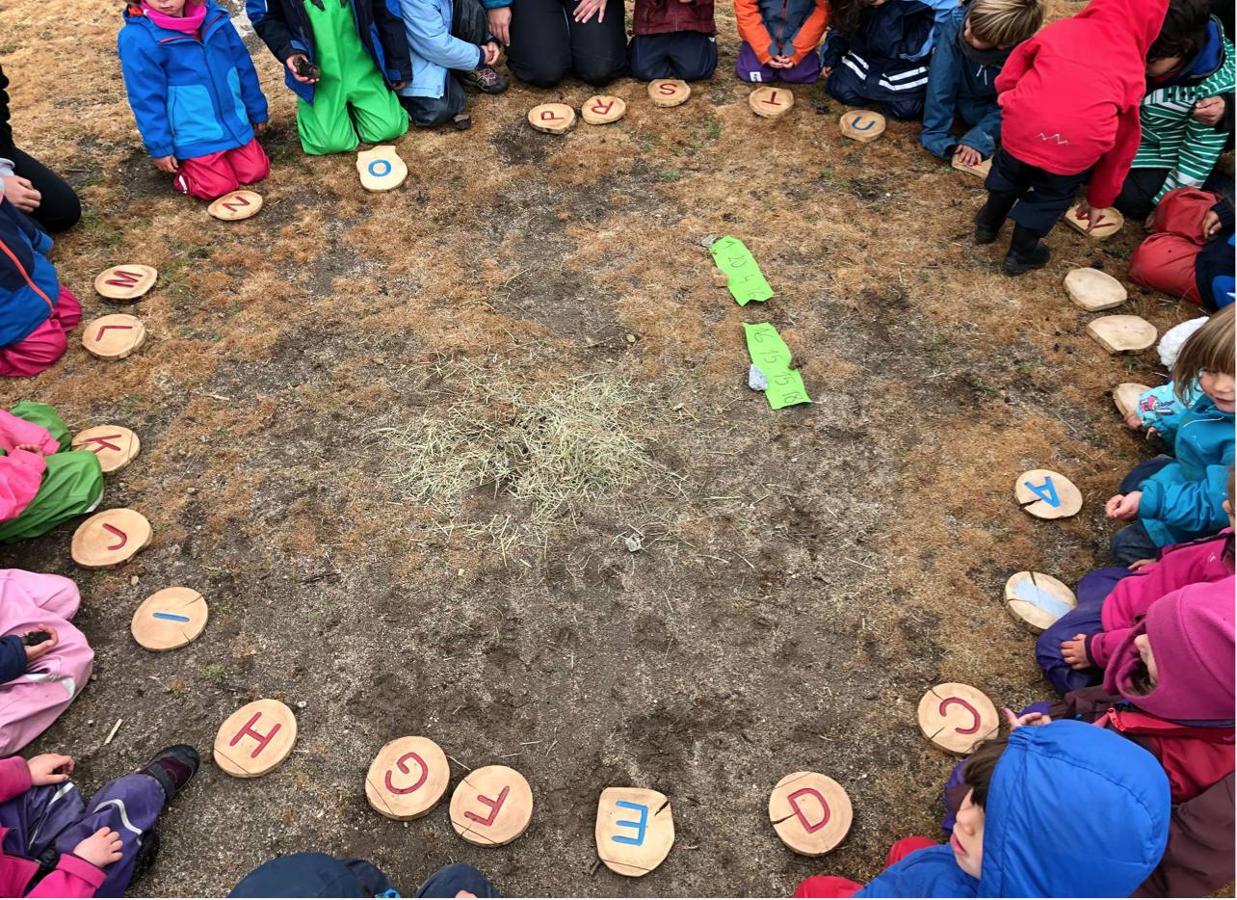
(301,704)
(631,338)
(133,579)
(193,490)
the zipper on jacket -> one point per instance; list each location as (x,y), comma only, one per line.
(51,307)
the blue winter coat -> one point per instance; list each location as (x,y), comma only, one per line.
(1184,500)
(285,27)
(29,290)
(433,48)
(1072,811)
(956,84)
(190,97)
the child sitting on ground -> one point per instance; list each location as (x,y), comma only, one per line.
(972,45)
(56,844)
(1066,810)
(673,39)
(877,53)
(194,94)
(1189,68)
(36,313)
(1069,101)
(1181,499)
(41,482)
(1190,252)
(779,39)
(320,875)
(343,60)
(451,47)
(44,660)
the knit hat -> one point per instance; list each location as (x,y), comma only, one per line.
(1191,633)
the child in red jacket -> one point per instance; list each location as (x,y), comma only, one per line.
(1069,100)
(672,39)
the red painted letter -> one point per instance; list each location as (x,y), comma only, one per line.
(974,715)
(104,441)
(262,739)
(124,538)
(809,827)
(103,328)
(601,108)
(494,805)
(399,764)
(235,203)
(123,279)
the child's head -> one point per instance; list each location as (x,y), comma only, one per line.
(1177,663)
(1209,356)
(967,841)
(1181,37)
(1000,24)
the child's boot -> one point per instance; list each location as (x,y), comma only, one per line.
(991,217)
(484,79)
(1025,252)
(172,767)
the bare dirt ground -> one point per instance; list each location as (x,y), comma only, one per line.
(806,575)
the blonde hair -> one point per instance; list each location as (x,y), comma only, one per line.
(1211,348)
(1005,22)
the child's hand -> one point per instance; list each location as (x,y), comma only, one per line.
(46,768)
(1031,719)
(21,193)
(1211,225)
(259,128)
(1074,652)
(34,651)
(1123,506)
(1090,213)
(490,53)
(299,59)
(499,22)
(968,156)
(1133,421)
(586,9)
(1141,564)
(30,448)
(1209,110)
(100,849)
(826,71)
(166,164)
(780,62)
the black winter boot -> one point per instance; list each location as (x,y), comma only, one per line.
(1025,252)
(991,217)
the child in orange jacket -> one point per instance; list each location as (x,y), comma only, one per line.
(780,38)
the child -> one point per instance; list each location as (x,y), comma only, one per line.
(779,39)
(194,94)
(36,313)
(1189,254)
(1069,101)
(1177,500)
(38,680)
(1190,63)
(1066,810)
(55,844)
(451,47)
(973,44)
(42,485)
(319,875)
(343,60)
(673,39)
(877,53)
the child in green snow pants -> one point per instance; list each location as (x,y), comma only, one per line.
(352,98)
(71,484)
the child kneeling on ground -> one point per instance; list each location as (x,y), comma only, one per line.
(1066,810)
(673,39)
(1190,252)
(56,844)
(41,482)
(779,39)
(194,94)
(973,44)
(320,875)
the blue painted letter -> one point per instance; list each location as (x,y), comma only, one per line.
(641,826)
(1046,491)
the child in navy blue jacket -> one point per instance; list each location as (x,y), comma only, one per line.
(971,46)
(876,53)
(195,95)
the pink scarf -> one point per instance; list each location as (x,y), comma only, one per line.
(189,23)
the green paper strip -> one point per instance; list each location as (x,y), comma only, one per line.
(746,281)
(770,354)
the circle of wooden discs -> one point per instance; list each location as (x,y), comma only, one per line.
(492,806)
(603,109)
(862,125)
(1111,221)
(956,717)
(125,282)
(771,102)
(109,538)
(255,739)
(552,118)
(170,618)
(1037,600)
(1122,334)
(1036,489)
(622,814)
(1125,396)
(1094,290)
(810,812)
(407,778)
(114,337)
(381,168)
(113,445)
(668,92)
(236,206)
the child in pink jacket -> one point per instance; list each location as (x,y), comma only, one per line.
(53,843)
(38,680)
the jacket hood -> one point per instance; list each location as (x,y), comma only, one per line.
(1140,20)
(1192,636)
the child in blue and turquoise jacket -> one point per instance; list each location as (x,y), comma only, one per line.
(971,46)
(1181,499)
(194,94)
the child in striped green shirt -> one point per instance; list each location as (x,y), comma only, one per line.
(1189,72)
